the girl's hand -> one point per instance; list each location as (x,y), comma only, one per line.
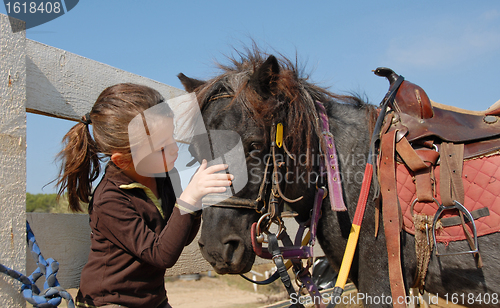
(206,181)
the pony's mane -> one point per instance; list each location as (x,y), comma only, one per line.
(293,102)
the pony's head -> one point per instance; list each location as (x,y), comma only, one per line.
(250,97)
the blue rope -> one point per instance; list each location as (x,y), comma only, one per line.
(53,293)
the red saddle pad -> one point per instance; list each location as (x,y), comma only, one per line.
(481,178)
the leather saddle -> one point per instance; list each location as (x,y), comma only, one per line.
(422,130)
(436,164)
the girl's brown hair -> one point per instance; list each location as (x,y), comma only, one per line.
(113,110)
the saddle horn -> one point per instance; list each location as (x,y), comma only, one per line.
(411,98)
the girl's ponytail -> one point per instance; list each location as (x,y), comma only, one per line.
(80,165)
(111,114)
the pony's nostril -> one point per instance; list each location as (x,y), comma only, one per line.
(231,248)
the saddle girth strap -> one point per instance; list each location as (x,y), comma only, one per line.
(391,215)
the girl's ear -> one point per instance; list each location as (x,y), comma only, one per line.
(121,160)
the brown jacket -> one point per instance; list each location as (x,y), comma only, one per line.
(131,244)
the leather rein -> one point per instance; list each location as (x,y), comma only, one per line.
(271,209)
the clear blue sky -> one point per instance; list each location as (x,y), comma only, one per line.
(450,48)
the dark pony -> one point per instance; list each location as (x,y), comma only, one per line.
(254,93)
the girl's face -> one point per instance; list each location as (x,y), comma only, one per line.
(159,150)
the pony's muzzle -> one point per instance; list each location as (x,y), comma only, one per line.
(226,257)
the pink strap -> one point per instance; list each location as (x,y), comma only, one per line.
(331,164)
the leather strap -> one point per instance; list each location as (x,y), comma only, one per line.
(303,274)
(278,260)
(452,188)
(391,215)
(453,221)
(421,169)
(269,280)
(410,157)
(331,163)
(316,214)
(308,282)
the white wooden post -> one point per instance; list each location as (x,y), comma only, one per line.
(12,160)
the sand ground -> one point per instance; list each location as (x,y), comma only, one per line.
(232,291)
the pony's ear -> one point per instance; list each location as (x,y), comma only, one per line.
(190,84)
(264,79)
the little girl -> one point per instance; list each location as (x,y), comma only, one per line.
(138,226)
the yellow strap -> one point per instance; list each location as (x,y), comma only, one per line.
(348,256)
(149,193)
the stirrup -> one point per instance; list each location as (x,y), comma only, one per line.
(457,206)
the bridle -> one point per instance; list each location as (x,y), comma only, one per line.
(271,208)
(271,175)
